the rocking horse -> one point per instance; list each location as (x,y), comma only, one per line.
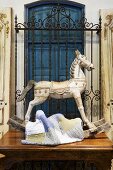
(61,90)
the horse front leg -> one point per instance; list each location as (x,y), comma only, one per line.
(77,97)
(36,101)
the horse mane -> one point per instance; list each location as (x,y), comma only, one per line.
(72,68)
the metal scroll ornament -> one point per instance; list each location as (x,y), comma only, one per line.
(58,18)
(92,95)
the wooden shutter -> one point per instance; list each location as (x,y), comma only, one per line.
(5,54)
(107,66)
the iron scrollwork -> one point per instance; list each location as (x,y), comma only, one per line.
(92,95)
(57,19)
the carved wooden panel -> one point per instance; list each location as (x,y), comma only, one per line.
(5,53)
(54,165)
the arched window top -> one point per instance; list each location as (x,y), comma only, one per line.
(50,2)
(63,15)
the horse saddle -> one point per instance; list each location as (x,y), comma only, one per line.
(59,87)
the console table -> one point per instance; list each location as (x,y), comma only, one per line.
(98,150)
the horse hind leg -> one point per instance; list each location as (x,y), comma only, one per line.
(79,103)
(36,101)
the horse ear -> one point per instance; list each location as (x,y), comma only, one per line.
(77,52)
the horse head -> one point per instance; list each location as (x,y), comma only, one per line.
(82,60)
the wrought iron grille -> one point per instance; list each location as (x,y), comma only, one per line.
(59,20)
(63,21)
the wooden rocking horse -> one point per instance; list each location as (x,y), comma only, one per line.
(60,90)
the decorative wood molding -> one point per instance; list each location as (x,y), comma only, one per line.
(108,24)
(4,23)
(109,19)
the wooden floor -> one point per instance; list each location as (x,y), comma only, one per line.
(98,150)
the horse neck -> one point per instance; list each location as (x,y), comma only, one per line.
(76,71)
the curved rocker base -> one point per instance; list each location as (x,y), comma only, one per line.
(102,126)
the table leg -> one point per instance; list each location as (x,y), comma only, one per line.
(2,162)
(103,164)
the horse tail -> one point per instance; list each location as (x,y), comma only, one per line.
(27,88)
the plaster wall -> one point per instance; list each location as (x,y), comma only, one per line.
(91,7)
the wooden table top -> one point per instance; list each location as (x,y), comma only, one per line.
(12,141)
(99,148)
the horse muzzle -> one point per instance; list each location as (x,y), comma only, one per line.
(90,67)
